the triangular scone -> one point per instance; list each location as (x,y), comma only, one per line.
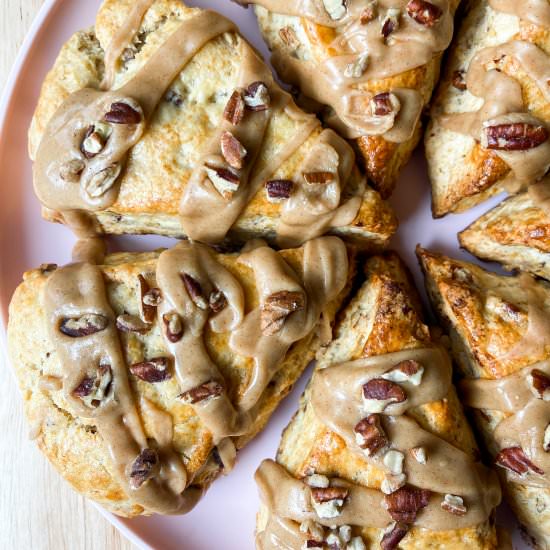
(491,114)
(373,65)
(140,393)
(500,332)
(516,233)
(350,431)
(192,137)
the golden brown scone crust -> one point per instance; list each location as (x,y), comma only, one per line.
(71,443)
(486,315)
(383,160)
(516,233)
(462,173)
(385,316)
(160,165)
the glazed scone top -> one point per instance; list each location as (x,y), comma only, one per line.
(354,42)
(94,134)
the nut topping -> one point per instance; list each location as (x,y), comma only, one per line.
(95,138)
(358,67)
(314,544)
(150,299)
(194,289)
(384,104)
(454,505)
(539,383)
(324,494)
(393,535)
(92,390)
(217,301)
(424,13)
(517,136)
(317,480)
(369,13)
(392,483)
(152,371)
(419,454)
(85,325)
(225,181)
(278,190)
(369,434)
(379,394)
(458,80)
(289,38)
(257,97)
(407,371)
(404,504)
(234,110)
(319,178)
(143,468)
(208,390)
(131,323)
(277,308)
(515,460)
(394,461)
(102,181)
(335,8)
(122,113)
(391,22)
(232,150)
(173,327)
(71,170)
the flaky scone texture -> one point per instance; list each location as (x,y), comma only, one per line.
(384,316)
(72,444)
(462,173)
(516,233)
(486,315)
(160,164)
(383,159)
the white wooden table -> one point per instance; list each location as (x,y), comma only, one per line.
(38,510)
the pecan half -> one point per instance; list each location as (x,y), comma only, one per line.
(234,110)
(150,298)
(278,190)
(143,468)
(319,178)
(173,327)
(407,371)
(383,391)
(277,308)
(102,181)
(217,301)
(459,81)
(93,390)
(516,136)
(208,390)
(256,97)
(131,323)
(390,23)
(394,535)
(122,113)
(539,383)
(454,505)
(515,460)
(194,289)
(85,325)
(370,435)
(424,13)
(403,505)
(225,181)
(71,170)
(232,150)
(324,494)
(153,371)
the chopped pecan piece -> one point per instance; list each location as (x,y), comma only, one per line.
(102,181)
(71,170)
(516,136)
(419,454)
(369,13)
(370,435)
(278,190)
(407,371)
(392,483)
(234,110)
(94,140)
(173,327)
(277,308)
(232,150)
(319,178)
(122,113)
(458,80)
(194,289)
(539,383)
(131,323)
(85,325)
(314,543)
(384,104)
(403,505)
(358,67)
(454,505)
(379,393)
(153,371)
(394,461)
(328,501)
(93,390)
(143,468)
(205,391)
(288,36)
(394,535)
(257,97)
(225,181)
(391,22)
(424,13)
(150,298)
(217,301)
(335,8)
(515,460)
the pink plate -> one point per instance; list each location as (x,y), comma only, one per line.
(225,517)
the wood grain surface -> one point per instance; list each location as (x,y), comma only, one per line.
(38,510)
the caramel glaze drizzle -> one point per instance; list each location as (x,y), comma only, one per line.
(337,400)
(503,101)
(95,382)
(363,52)
(71,180)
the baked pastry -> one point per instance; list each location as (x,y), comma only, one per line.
(380,416)
(373,63)
(501,341)
(141,410)
(163,119)
(491,114)
(516,233)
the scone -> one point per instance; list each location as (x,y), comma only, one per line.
(500,336)
(491,114)
(143,376)
(163,119)
(516,233)
(372,64)
(379,454)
